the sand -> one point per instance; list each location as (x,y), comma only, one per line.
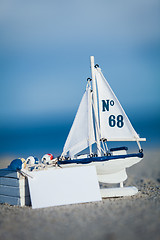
(127,218)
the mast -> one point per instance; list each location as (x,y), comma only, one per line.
(95,106)
(90,117)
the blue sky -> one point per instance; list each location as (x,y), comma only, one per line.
(45,48)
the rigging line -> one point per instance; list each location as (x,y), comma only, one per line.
(89,83)
(90,116)
(96,120)
(62,153)
(101,148)
(139,145)
(97,125)
(99,133)
(104,141)
(106,146)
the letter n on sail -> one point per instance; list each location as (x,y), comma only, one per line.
(105,105)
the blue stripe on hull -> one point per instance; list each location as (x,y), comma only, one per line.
(100,159)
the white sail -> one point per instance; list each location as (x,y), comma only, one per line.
(114,123)
(81,134)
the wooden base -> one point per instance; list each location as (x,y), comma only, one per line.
(13,188)
(118,192)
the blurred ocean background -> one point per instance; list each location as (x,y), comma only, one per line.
(45,49)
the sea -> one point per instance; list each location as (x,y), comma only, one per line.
(39,139)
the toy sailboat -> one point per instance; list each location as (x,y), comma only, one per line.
(100,119)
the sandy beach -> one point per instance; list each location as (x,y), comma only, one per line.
(136,217)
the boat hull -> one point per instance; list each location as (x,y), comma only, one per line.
(114,171)
(115,165)
(111,170)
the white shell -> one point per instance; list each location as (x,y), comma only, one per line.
(46,158)
(30,160)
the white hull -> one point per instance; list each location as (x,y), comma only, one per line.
(112,171)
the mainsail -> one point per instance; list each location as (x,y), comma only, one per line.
(81,134)
(114,123)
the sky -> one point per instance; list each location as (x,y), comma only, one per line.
(45,49)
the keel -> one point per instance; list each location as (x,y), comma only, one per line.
(118,192)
